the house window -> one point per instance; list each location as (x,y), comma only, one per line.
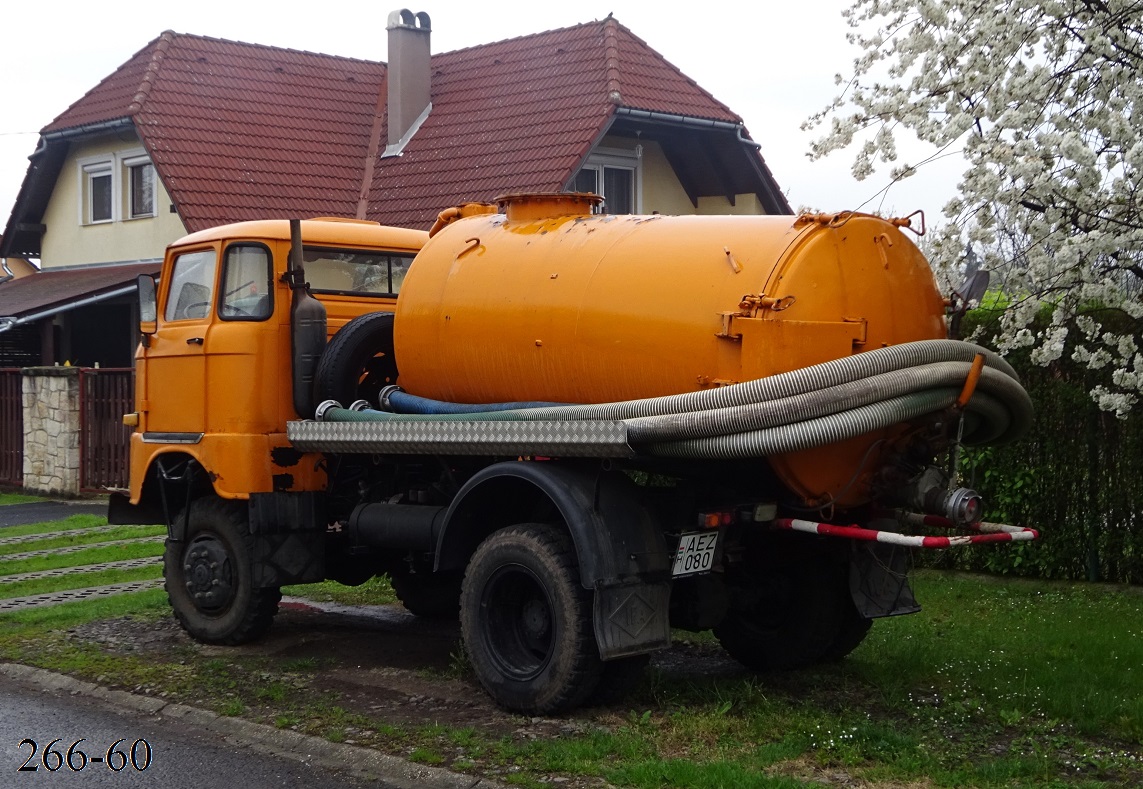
(614,175)
(117,186)
(99,193)
(141,181)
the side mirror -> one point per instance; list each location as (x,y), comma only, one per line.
(148,305)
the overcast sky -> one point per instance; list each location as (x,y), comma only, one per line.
(772,63)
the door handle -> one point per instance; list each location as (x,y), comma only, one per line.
(194,341)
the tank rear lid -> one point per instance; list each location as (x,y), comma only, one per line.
(533,206)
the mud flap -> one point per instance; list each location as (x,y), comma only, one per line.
(631,619)
(289,538)
(879,580)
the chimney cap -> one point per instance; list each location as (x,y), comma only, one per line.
(403,17)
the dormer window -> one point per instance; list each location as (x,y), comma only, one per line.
(141,188)
(613,174)
(116,187)
(99,192)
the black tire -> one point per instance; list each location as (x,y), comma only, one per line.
(620,677)
(215,563)
(788,617)
(428,595)
(358,362)
(527,621)
(853,627)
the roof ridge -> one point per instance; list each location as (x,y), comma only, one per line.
(611,59)
(520,37)
(163,43)
(290,50)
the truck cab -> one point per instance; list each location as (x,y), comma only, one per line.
(213,373)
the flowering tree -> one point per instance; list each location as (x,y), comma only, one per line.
(1044,99)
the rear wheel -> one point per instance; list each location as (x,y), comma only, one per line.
(428,595)
(619,678)
(789,611)
(527,623)
(209,576)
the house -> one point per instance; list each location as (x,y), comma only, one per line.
(193,132)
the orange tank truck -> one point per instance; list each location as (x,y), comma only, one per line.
(572,431)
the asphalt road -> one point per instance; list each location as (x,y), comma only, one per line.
(181,757)
(43,511)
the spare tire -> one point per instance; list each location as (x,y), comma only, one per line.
(358,362)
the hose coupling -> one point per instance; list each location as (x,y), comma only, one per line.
(384,395)
(323,408)
(360,405)
(930,493)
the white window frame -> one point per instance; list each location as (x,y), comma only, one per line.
(89,170)
(621,158)
(117,166)
(130,162)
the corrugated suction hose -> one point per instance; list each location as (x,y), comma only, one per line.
(817,405)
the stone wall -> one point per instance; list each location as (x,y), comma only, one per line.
(51,430)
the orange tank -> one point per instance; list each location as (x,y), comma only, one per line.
(548,302)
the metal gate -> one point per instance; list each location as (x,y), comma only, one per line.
(11,426)
(105,395)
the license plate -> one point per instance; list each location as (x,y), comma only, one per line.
(696,553)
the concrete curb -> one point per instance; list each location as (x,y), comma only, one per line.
(390,771)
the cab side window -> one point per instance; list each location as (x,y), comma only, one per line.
(192,286)
(247,292)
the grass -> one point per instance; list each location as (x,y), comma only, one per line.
(998,683)
(70,523)
(109,553)
(82,538)
(375,591)
(19,498)
(79,580)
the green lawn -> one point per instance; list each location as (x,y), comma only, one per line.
(997,683)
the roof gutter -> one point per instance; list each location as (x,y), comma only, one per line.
(687,120)
(88,128)
(10,321)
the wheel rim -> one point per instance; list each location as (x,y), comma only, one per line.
(208,573)
(519,626)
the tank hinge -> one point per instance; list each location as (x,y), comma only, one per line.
(726,333)
(863,335)
(749,307)
(751,304)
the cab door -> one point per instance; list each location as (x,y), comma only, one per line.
(175,403)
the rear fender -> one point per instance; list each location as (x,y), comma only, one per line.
(622,555)
(615,537)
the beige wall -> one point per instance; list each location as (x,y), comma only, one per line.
(662,192)
(68,241)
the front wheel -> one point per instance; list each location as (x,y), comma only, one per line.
(527,623)
(209,576)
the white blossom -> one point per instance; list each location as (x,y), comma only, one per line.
(1044,100)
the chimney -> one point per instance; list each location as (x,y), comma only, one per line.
(408,78)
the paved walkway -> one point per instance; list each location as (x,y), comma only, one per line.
(47,511)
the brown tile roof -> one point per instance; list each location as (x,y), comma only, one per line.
(241,131)
(521,114)
(60,288)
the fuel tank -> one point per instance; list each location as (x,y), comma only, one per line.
(549,302)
